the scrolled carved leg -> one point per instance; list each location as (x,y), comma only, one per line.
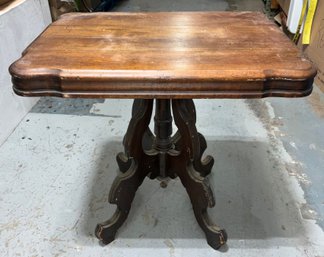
(203,166)
(201,198)
(122,194)
(123,162)
(192,172)
(134,166)
(162,156)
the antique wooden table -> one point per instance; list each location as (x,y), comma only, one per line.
(170,58)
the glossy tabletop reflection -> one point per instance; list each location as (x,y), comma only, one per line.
(163,55)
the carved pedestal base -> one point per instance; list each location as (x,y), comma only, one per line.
(165,157)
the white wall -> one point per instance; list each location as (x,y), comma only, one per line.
(20,23)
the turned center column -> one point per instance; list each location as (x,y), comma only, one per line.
(163,132)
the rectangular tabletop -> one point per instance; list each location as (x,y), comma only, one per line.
(163,55)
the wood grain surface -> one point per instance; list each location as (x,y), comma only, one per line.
(163,55)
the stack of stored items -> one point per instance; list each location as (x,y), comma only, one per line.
(303,21)
(59,7)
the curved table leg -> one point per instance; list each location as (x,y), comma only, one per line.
(204,166)
(192,172)
(121,193)
(195,140)
(134,166)
(181,157)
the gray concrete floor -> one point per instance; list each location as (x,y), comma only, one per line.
(57,167)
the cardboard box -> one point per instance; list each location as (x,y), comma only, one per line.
(274,4)
(315,50)
(59,7)
(284,4)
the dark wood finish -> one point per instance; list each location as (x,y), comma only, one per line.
(162,156)
(163,55)
(192,172)
(134,168)
(170,57)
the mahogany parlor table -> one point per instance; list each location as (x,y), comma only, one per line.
(169,58)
